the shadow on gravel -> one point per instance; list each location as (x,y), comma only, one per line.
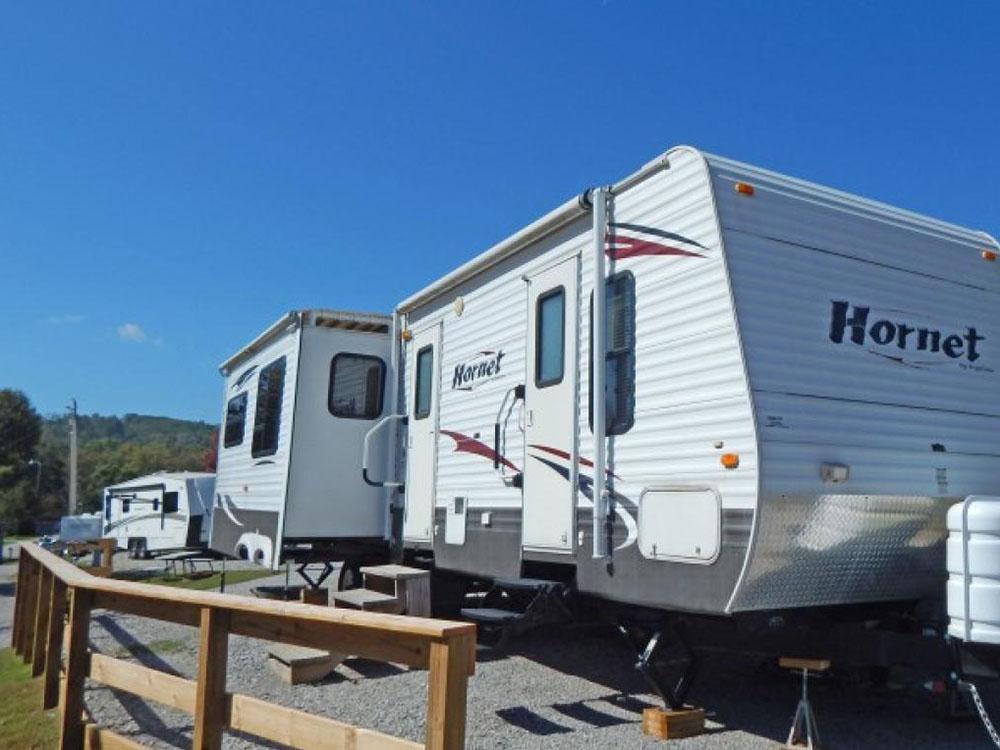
(371,670)
(139,651)
(529,721)
(584,713)
(745,692)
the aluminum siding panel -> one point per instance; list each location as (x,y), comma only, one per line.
(917,430)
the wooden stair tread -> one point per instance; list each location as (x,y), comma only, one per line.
(525,584)
(394,572)
(297,655)
(490,615)
(813,665)
(365,599)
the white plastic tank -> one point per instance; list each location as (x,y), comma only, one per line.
(973,560)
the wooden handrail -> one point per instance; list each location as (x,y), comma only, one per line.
(46,582)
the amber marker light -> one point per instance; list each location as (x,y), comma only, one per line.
(989,255)
(405,334)
(729,460)
(743,189)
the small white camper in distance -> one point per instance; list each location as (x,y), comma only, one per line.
(297,403)
(160,512)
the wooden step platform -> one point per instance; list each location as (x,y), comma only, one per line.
(666,724)
(295,664)
(410,586)
(367,600)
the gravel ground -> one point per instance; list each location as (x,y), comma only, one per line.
(565,688)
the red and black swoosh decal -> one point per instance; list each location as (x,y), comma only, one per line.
(652,241)
(565,456)
(466,444)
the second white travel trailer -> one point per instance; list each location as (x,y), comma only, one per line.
(798,383)
(297,403)
(162,512)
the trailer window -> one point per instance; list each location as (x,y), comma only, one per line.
(550,337)
(267,416)
(107,508)
(424,378)
(125,505)
(356,385)
(236,419)
(169,502)
(619,362)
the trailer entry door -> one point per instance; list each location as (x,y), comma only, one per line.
(424,352)
(550,409)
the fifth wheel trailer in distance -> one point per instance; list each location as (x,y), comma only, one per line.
(297,402)
(794,386)
(162,512)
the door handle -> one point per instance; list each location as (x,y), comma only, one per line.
(530,418)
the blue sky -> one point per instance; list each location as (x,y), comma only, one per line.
(174,176)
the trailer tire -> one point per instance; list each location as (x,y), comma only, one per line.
(350,575)
(130,545)
(141,551)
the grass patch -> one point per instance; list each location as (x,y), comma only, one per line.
(208,582)
(23,723)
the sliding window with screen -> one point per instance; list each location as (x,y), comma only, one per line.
(619,359)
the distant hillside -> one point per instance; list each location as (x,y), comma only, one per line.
(132,428)
(113,449)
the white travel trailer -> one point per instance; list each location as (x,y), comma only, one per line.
(160,512)
(297,403)
(798,383)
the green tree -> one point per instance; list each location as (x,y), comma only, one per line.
(20,431)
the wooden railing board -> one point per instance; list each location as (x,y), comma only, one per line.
(97,738)
(446,648)
(43,601)
(28,612)
(151,684)
(15,629)
(446,694)
(210,696)
(71,698)
(53,648)
(286,726)
(398,648)
(304,731)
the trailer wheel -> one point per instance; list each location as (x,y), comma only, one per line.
(130,546)
(447,594)
(141,552)
(350,575)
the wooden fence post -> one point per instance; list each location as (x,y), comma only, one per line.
(41,621)
(53,643)
(446,693)
(107,552)
(71,703)
(28,611)
(15,630)
(210,698)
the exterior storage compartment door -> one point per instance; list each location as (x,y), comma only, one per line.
(682,524)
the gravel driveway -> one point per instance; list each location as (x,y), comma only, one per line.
(565,688)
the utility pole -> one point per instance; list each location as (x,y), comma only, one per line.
(72,456)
